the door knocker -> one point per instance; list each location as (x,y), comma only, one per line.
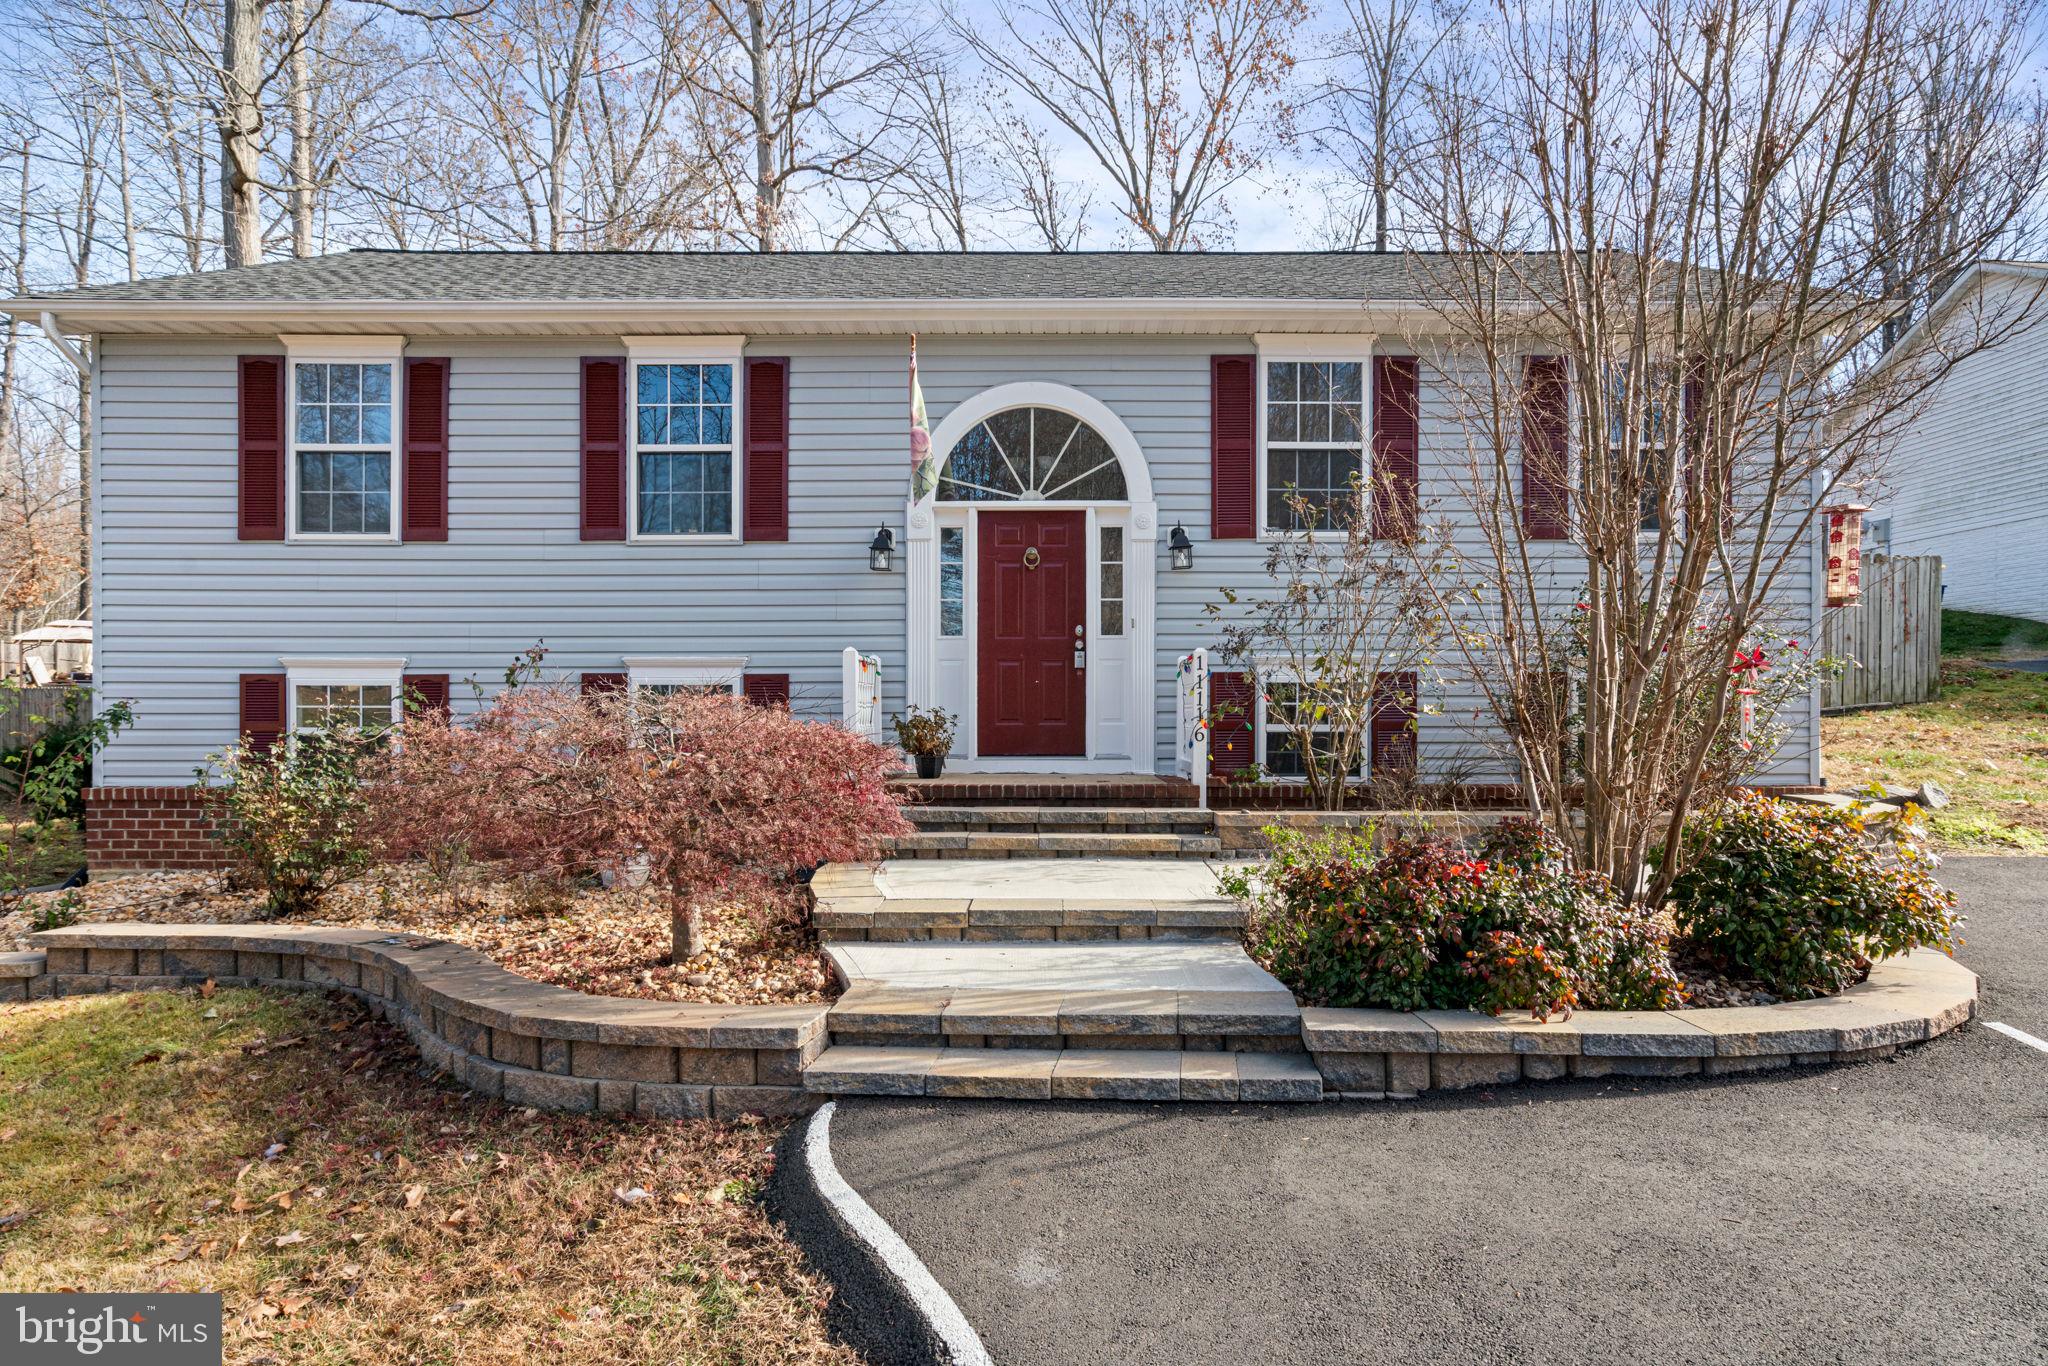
(1031,557)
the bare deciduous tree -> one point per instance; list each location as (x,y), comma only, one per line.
(1175,101)
(1371,109)
(1673,206)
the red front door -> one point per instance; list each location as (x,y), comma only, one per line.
(1034,602)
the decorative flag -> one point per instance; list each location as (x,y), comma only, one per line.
(924,471)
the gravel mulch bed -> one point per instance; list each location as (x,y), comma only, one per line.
(608,943)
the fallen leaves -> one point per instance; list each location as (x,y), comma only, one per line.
(413,1195)
(291,1239)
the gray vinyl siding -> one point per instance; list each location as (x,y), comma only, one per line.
(183,607)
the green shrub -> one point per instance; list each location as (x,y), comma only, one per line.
(1803,899)
(1423,924)
(290,816)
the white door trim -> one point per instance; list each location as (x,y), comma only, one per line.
(921,582)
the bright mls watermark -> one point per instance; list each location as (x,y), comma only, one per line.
(118,1330)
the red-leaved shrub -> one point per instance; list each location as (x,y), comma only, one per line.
(715,800)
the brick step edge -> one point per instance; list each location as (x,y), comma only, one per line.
(1063,1074)
(499,1034)
(1061,842)
(1071,820)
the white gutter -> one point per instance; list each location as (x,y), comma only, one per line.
(48,322)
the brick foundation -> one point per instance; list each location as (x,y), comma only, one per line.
(144,829)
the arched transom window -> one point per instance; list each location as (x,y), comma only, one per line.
(1031,455)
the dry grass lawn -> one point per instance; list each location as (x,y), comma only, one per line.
(43,854)
(283,1150)
(1985,740)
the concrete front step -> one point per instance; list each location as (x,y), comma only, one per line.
(1062,820)
(1063,1074)
(980,844)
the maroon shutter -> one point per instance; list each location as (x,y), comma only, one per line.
(263,710)
(604,448)
(260,410)
(1393,723)
(1395,441)
(428,691)
(1230,723)
(1546,472)
(764,501)
(425,503)
(595,682)
(766,690)
(1231,448)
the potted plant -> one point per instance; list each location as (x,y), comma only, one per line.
(926,734)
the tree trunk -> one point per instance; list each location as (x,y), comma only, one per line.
(241,59)
(301,98)
(686,927)
(765,194)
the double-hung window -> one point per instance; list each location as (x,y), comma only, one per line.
(344,453)
(686,437)
(1284,725)
(1648,404)
(1313,397)
(324,695)
(664,675)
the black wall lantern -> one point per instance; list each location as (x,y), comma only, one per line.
(880,549)
(1181,548)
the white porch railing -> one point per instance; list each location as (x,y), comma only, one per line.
(1191,722)
(860,693)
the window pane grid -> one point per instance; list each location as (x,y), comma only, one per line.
(342,447)
(683,441)
(324,706)
(1315,439)
(1112,569)
(1283,742)
(685,493)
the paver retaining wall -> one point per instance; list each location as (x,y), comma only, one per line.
(494,1031)
(533,1044)
(1375,1053)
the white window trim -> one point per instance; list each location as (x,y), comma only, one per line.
(690,672)
(356,350)
(328,672)
(1278,346)
(684,351)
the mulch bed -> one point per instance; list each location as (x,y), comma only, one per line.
(607,943)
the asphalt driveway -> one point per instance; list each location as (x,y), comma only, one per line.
(1882,1212)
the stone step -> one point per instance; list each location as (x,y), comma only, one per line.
(1063,820)
(872,1013)
(979,844)
(1063,1074)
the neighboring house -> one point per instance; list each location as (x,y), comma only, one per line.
(1969,480)
(319,480)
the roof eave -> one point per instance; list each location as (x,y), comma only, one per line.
(613,316)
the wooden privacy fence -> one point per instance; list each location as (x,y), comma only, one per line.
(1890,640)
(28,713)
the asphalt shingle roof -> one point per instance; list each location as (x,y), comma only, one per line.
(545,277)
